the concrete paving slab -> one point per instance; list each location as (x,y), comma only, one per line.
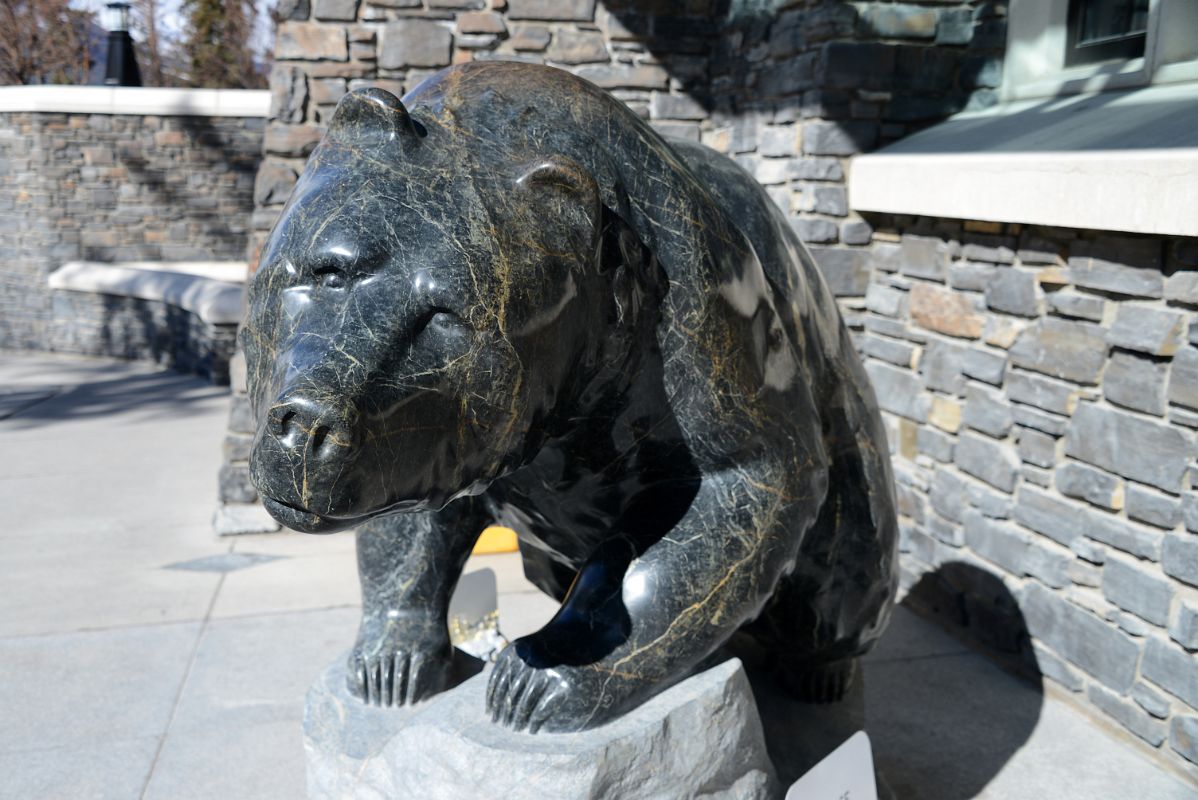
(907,636)
(253,667)
(258,760)
(81,689)
(291,543)
(508,569)
(102,488)
(53,480)
(14,400)
(955,727)
(110,450)
(104,770)
(39,369)
(95,573)
(236,730)
(76,504)
(97,538)
(60,598)
(943,727)
(522,613)
(126,395)
(291,584)
(1069,756)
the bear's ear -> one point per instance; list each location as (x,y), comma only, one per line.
(561,181)
(372,116)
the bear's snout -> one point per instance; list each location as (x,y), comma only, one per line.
(309,430)
(305,463)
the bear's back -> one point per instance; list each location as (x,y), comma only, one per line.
(693,207)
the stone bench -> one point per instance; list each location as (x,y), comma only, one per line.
(180,314)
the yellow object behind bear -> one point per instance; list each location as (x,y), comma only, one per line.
(495,539)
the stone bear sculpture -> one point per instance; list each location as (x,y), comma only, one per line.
(507,299)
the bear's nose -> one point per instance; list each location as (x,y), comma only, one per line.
(302,424)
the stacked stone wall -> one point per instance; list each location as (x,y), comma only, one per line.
(791,89)
(795,94)
(103,187)
(1040,389)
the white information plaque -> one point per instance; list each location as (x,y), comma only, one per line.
(846,774)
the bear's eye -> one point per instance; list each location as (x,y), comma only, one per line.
(436,317)
(330,277)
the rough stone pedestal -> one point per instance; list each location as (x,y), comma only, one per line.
(700,739)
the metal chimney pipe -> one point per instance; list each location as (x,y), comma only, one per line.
(122,68)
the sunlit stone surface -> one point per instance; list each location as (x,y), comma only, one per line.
(701,738)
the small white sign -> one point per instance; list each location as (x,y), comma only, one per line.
(847,773)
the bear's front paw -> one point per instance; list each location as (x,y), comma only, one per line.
(559,698)
(522,697)
(398,677)
(398,661)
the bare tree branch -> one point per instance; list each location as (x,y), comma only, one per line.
(218,44)
(43,41)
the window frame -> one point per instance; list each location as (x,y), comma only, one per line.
(1113,48)
(1038,33)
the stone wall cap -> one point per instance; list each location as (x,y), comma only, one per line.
(212,290)
(1118,161)
(142,101)
(1138,191)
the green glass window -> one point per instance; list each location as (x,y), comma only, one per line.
(1106,30)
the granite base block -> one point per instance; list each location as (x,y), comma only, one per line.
(700,739)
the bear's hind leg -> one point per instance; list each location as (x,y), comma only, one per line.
(408,566)
(804,653)
(835,603)
(816,683)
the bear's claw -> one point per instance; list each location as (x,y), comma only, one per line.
(395,679)
(827,683)
(520,697)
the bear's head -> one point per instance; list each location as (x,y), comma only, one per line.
(420,312)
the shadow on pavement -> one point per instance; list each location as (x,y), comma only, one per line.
(945,723)
(943,718)
(155,394)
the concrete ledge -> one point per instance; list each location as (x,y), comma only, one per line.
(142,101)
(1117,161)
(210,290)
(1140,191)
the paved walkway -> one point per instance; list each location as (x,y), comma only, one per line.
(141,656)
